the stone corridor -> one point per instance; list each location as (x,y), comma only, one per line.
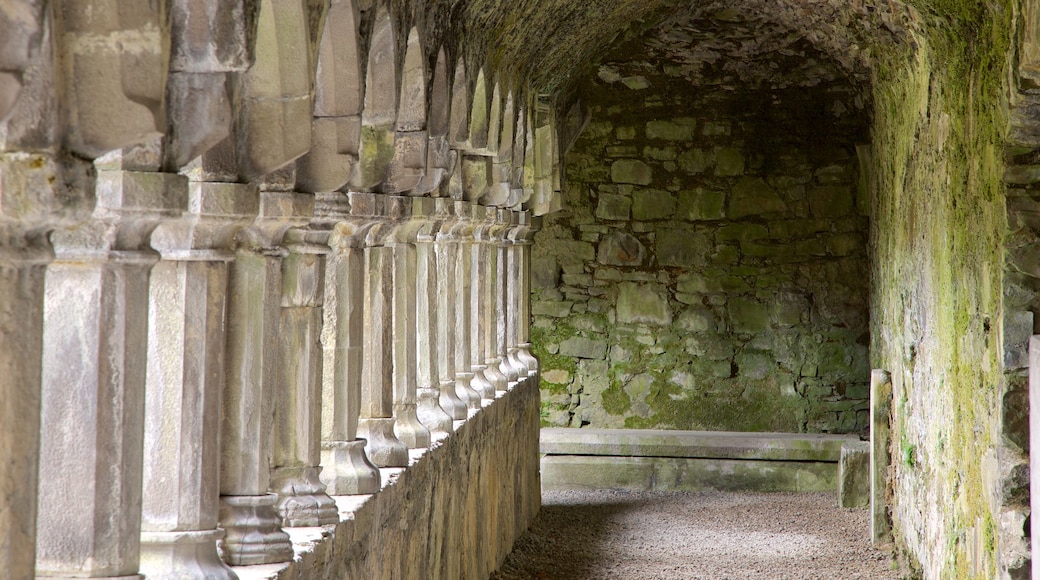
(287,286)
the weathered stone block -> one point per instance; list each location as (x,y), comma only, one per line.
(646,303)
(552,309)
(755,365)
(631,171)
(621,249)
(675,130)
(753,196)
(613,207)
(694,160)
(581,347)
(659,153)
(747,316)
(696,319)
(557,377)
(854,475)
(702,204)
(682,248)
(652,204)
(728,162)
(830,201)
(698,284)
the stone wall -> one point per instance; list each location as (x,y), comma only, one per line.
(454,513)
(709,270)
(937,323)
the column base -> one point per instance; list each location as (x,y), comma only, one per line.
(408,428)
(186,554)
(302,501)
(432,415)
(524,354)
(482,384)
(451,403)
(495,374)
(383,448)
(347,470)
(465,392)
(514,361)
(253,531)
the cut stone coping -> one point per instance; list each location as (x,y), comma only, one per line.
(694,444)
(358,545)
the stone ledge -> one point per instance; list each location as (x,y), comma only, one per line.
(694,444)
(453,513)
(586,472)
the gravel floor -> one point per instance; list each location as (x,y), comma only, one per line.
(711,535)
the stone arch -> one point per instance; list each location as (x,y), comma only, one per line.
(380,104)
(410,143)
(479,113)
(273,124)
(460,111)
(439,157)
(336,125)
(411,112)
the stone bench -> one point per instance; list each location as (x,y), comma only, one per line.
(666,460)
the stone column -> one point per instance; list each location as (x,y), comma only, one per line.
(407,426)
(497,327)
(524,307)
(247,510)
(347,469)
(376,424)
(447,310)
(462,235)
(28,204)
(480,284)
(296,453)
(184,382)
(430,411)
(95,339)
(512,294)
(492,235)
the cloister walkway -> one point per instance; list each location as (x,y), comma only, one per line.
(691,535)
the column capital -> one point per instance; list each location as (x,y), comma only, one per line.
(216,213)
(278,212)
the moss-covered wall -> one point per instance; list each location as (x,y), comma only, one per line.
(936,305)
(709,270)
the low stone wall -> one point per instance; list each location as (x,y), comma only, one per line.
(672,460)
(454,513)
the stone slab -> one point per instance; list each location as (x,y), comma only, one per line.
(695,444)
(854,475)
(574,472)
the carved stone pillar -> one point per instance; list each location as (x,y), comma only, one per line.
(462,242)
(514,291)
(346,468)
(28,209)
(296,456)
(185,380)
(376,424)
(95,339)
(407,426)
(483,375)
(504,279)
(452,400)
(524,304)
(430,411)
(495,327)
(247,510)
(485,267)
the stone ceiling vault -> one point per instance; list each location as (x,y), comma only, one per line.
(557,43)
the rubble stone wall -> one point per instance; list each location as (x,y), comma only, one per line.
(709,270)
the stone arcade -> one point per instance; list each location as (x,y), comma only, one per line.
(268,267)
